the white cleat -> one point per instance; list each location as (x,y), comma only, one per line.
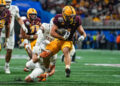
(7,70)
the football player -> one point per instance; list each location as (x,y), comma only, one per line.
(43,39)
(70,22)
(5,20)
(10,44)
(33,24)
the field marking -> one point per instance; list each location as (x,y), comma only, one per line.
(109,65)
(69,82)
(21,68)
(27,57)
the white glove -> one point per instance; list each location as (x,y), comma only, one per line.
(81,38)
(24,28)
(67,34)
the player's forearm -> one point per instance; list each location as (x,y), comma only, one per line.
(81,31)
(56,35)
(20,21)
(7,32)
(30,36)
(52,71)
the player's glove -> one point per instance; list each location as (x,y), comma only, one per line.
(66,35)
(42,79)
(24,28)
(81,38)
(45,75)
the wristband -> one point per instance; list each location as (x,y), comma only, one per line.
(31,37)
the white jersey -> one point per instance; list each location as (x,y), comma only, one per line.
(14,10)
(42,41)
(15,15)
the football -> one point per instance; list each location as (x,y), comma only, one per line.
(61,31)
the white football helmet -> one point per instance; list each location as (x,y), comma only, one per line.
(8,3)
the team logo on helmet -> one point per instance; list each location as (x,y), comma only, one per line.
(8,3)
(2,3)
(68,13)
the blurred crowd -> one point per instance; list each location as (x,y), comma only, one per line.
(95,12)
(101,40)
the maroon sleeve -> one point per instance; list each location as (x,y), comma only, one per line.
(8,17)
(39,20)
(55,21)
(78,20)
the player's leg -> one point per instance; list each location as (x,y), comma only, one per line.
(51,49)
(67,60)
(28,49)
(33,76)
(66,47)
(9,47)
(73,54)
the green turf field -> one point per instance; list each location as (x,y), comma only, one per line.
(92,68)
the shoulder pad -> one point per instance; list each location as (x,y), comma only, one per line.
(60,19)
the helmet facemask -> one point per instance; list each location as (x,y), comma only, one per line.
(8,3)
(33,16)
(69,19)
(69,14)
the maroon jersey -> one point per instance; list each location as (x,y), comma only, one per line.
(59,21)
(5,18)
(32,26)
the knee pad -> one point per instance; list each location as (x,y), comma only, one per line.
(45,54)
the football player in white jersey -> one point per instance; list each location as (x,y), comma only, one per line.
(43,65)
(10,44)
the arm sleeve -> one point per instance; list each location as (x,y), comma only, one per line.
(40,37)
(46,28)
(78,21)
(17,12)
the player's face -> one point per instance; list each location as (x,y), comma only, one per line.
(8,3)
(33,16)
(69,19)
(2,8)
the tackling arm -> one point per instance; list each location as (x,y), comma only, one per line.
(52,68)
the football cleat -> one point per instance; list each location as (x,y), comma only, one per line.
(67,72)
(7,69)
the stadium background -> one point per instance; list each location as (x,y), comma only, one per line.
(100,19)
(93,67)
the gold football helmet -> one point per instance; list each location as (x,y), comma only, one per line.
(68,13)
(2,3)
(30,12)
